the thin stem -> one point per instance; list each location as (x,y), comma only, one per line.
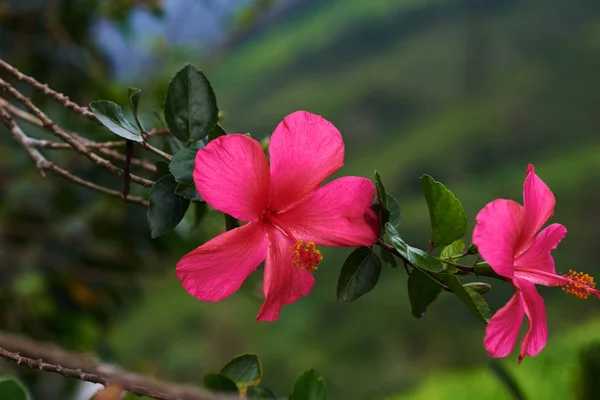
(44,165)
(77,145)
(47,144)
(462,267)
(406,262)
(153,149)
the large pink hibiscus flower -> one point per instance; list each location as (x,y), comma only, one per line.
(507,237)
(288,213)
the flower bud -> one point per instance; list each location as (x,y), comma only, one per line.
(479,287)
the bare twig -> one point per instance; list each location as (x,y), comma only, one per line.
(103,147)
(61,98)
(44,357)
(77,145)
(115,193)
(44,165)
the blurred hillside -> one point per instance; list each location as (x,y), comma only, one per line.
(465,90)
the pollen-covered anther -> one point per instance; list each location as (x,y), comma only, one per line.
(579,284)
(305,255)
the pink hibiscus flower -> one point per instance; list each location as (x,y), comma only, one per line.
(288,213)
(507,237)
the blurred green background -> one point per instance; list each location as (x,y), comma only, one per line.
(468,91)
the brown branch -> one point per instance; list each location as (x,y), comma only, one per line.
(61,98)
(48,358)
(102,147)
(77,145)
(115,193)
(44,165)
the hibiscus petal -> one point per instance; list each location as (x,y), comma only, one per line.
(536,263)
(338,214)
(539,205)
(304,150)
(503,329)
(283,283)
(497,232)
(232,175)
(537,334)
(218,268)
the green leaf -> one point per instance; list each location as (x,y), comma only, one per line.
(388,257)
(448,218)
(188,191)
(422,291)
(191,106)
(182,165)
(417,257)
(220,383)
(359,274)
(12,389)
(395,211)
(260,393)
(309,386)
(215,132)
(381,192)
(111,116)
(162,169)
(473,300)
(382,198)
(244,370)
(166,209)
(134,100)
(453,250)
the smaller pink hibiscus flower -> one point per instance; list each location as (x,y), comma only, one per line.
(507,237)
(288,213)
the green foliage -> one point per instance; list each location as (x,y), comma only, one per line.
(358,275)
(473,300)
(422,291)
(388,207)
(215,132)
(245,370)
(260,393)
(166,209)
(220,383)
(12,389)
(417,257)
(111,116)
(182,165)
(310,386)
(388,257)
(190,106)
(395,211)
(182,168)
(188,191)
(453,250)
(448,218)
